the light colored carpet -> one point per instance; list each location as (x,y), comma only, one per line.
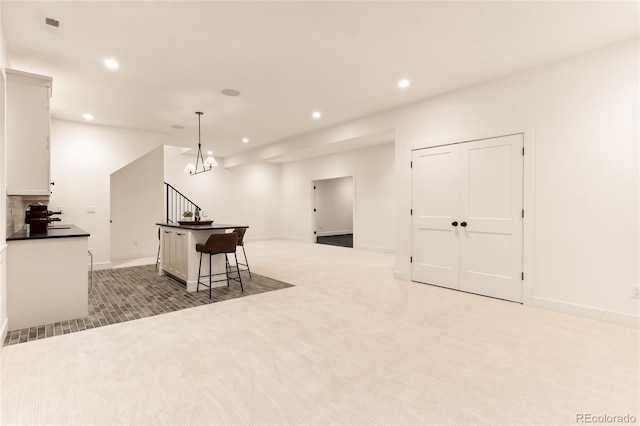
(347,345)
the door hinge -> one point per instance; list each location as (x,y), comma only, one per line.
(522,276)
(411,259)
(411,165)
(314,187)
(314,232)
(522,212)
(522,150)
(316,210)
(411,212)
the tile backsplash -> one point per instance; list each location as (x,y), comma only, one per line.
(16,206)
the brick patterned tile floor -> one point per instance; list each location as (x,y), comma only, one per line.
(125,294)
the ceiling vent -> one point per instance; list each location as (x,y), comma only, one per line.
(52,22)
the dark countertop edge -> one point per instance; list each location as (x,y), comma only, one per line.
(73,231)
(203,227)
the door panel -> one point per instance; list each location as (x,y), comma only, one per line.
(478,183)
(491,200)
(435,180)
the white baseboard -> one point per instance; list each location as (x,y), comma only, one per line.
(131,256)
(332,233)
(261,239)
(101,265)
(590,312)
(3,288)
(300,240)
(5,330)
(401,275)
(374,248)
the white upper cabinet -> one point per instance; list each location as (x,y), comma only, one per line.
(27,133)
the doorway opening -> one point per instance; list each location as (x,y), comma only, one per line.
(333,211)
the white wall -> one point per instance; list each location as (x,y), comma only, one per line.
(137,204)
(580,118)
(244,195)
(334,206)
(372,171)
(83,156)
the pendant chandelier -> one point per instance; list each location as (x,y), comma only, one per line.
(206,165)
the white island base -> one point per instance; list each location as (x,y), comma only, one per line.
(178,255)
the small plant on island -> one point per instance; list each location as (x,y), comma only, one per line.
(187,214)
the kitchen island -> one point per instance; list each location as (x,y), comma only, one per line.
(47,279)
(178,255)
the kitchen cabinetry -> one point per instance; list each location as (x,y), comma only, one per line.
(47,277)
(27,133)
(174,253)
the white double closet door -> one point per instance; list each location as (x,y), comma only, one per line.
(467,216)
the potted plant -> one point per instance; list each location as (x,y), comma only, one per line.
(187,215)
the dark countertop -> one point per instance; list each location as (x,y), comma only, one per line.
(58,231)
(202,227)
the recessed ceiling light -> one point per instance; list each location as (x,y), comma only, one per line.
(177,126)
(111,64)
(403,84)
(87,116)
(316,115)
(230,92)
(245,140)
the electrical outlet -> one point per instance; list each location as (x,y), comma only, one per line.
(635,291)
(91,210)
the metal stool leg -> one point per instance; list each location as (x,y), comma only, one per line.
(246,260)
(199,267)
(239,276)
(210,276)
(227,268)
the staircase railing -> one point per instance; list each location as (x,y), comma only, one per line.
(177,203)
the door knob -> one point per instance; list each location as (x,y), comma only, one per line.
(463,224)
(454,223)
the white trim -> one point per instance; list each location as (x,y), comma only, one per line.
(132,256)
(612,317)
(374,248)
(468,137)
(301,240)
(528,204)
(5,330)
(331,233)
(101,265)
(260,239)
(314,222)
(3,286)
(401,275)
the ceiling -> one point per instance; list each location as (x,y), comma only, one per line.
(287,59)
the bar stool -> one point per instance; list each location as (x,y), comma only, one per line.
(219,244)
(241,232)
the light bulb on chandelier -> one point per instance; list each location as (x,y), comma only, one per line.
(207,164)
